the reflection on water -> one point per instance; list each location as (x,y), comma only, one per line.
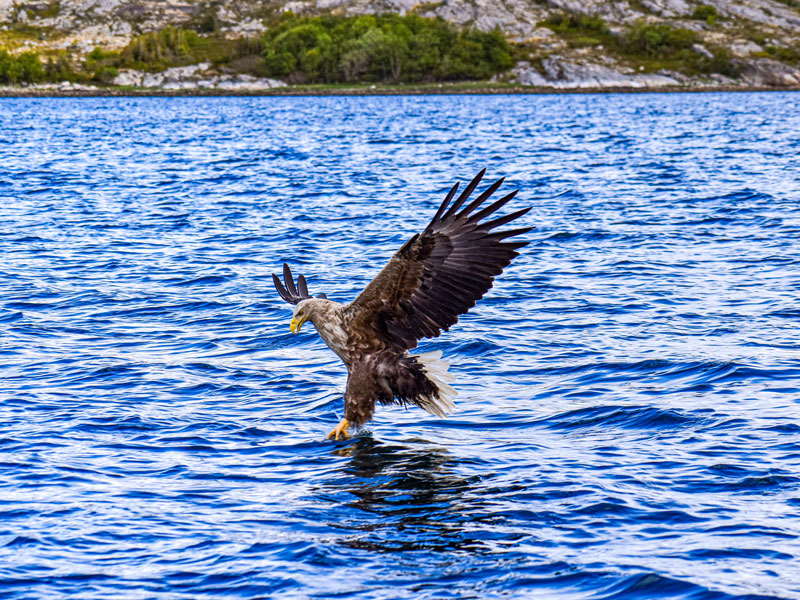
(411,496)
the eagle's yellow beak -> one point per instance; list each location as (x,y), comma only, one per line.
(296,324)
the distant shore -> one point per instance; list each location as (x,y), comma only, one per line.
(369,90)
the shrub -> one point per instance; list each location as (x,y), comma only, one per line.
(657,40)
(705,12)
(59,68)
(331,49)
(157,50)
(105,74)
(25,68)
(722,62)
(782,53)
(584,41)
(567,22)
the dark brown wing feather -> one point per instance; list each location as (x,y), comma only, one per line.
(438,274)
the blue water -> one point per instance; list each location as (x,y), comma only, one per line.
(629,392)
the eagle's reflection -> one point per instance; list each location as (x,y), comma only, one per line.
(407,497)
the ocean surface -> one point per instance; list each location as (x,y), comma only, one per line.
(628,418)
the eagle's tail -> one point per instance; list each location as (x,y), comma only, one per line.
(441,403)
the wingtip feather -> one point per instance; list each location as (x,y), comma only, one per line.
(465,194)
(289,280)
(444,204)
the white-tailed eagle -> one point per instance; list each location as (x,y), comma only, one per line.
(436,276)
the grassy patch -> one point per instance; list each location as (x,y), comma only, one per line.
(705,12)
(22,32)
(575,23)
(580,31)
(44,11)
(654,41)
(789,55)
(424,7)
(651,46)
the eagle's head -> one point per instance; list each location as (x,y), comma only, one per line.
(308,310)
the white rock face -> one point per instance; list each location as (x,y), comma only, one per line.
(562,74)
(246,28)
(193,77)
(525,74)
(129,77)
(744,48)
(668,8)
(702,50)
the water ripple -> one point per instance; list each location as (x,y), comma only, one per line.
(627,420)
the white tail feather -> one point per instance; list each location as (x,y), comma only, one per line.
(436,370)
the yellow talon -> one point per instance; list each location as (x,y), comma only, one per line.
(341,429)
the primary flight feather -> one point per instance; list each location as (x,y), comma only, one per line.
(433,278)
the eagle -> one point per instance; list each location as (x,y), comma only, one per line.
(433,278)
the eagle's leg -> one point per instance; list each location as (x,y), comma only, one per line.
(340,429)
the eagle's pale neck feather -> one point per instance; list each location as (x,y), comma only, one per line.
(328,320)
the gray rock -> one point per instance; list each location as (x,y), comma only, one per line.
(702,50)
(722,79)
(564,74)
(525,74)
(668,8)
(744,48)
(193,77)
(765,72)
(129,77)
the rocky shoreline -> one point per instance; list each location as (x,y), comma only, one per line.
(111,92)
(555,74)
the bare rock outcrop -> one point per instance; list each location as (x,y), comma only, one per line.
(559,73)
(765,72)
(200,76)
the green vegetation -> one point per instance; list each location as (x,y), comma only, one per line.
(782,53)
(376,48)
(59,68)
(49,10)
(707,13)
(657,40)
(158,50)
(25,68)
(387,48)
(580,30)
(569,23)
(664,46)
(173,47)
(306,50)
(652,46)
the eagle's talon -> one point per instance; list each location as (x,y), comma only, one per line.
(340,429)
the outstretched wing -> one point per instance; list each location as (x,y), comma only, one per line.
(291,293)
(438,274)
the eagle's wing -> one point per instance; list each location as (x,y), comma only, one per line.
(290,293)
(438,274)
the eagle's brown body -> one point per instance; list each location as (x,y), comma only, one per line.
(436,276)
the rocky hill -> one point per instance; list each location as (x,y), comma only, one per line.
(557,43)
